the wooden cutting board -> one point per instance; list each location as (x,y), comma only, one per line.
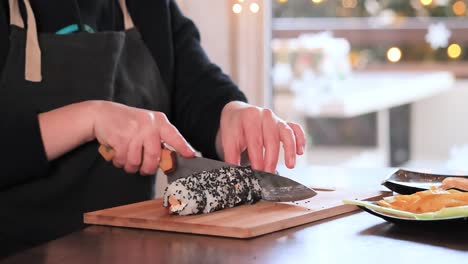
(244,221)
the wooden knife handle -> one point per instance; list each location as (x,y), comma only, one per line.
(107,152)
(168,162)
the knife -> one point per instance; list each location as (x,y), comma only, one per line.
(274,187)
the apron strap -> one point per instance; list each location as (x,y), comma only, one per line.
(128,22)
(32,67)
(15,15)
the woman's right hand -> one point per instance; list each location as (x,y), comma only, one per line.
(136,136)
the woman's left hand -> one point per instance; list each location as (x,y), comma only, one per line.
(259,131)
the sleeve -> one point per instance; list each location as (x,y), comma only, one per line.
(22,151)
(201,88)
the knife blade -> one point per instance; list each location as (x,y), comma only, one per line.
(274,187)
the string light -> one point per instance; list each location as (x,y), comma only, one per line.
(394,54)
(254,7)
(459,8)
(317,1)
(454,51)
(426,2)
(236,8)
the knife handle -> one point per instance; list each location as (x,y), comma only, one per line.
(168,162)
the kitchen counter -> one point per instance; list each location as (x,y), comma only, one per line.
(352,238)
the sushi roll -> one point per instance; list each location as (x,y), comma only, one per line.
(209,191)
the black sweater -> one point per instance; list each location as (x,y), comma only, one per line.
(199,89)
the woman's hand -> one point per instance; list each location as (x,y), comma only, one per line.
(136,135)
(260,131)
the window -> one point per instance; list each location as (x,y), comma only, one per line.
(350,71)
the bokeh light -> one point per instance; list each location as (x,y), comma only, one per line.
(426,2)
(254,7)
(454,51)
(236,8)
(459,8)
(394,54)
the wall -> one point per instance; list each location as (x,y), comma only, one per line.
(213,22)
(236,42)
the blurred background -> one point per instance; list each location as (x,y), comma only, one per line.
(373,82)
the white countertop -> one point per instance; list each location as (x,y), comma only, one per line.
(369,92)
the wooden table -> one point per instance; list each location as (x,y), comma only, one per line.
(352,238)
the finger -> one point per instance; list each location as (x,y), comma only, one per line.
(172,136)
(271,142)
(232,152)
(289,144)
(300,137)
(120,149)
(254,139)
(134,157)
(151,154)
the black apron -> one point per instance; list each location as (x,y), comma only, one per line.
(46,71)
